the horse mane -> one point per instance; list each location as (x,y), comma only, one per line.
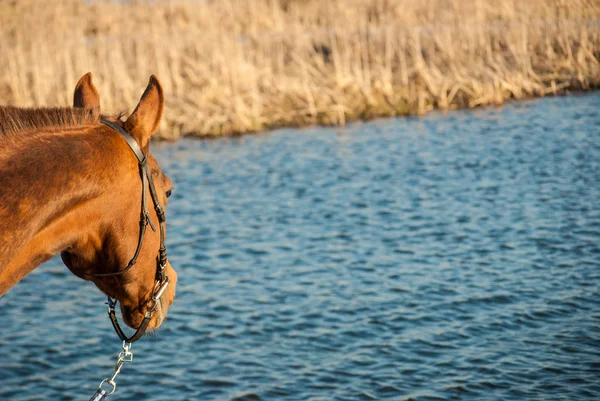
(15,119)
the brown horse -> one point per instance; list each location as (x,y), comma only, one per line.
(71,185)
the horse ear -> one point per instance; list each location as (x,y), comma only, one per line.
(86,96)
(145,118)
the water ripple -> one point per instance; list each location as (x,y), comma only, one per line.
(453,256)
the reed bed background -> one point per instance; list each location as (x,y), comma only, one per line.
(235,66)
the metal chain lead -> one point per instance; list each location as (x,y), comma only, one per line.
(124,356)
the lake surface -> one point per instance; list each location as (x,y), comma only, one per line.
(450,257)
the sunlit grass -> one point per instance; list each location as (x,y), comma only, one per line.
(234,66)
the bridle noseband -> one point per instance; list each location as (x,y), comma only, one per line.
(161,279)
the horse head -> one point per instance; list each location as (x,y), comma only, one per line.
(117,234)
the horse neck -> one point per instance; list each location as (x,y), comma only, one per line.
(53,179)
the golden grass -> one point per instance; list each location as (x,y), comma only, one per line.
(234,66)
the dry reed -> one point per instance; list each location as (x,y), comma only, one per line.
(234,66)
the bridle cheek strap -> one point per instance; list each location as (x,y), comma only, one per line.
(161,279)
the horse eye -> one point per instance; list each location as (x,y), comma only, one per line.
(169,192)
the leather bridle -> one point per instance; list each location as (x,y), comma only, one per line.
(161,279)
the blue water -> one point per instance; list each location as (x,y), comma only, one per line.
(450,257)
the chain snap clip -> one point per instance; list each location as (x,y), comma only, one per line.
(103,390)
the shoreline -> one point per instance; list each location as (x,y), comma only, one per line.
(510,101)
